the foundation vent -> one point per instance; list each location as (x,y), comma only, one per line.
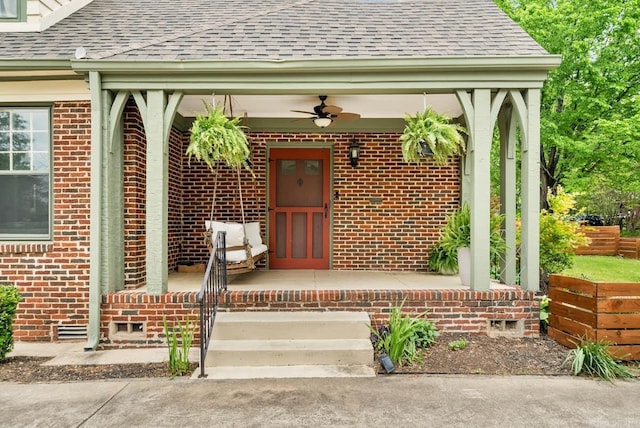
(70,332)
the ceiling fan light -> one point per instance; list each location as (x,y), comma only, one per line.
(322,122)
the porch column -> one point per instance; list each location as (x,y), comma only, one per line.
(530,171)
(477,110)
(157,116)
(507,125)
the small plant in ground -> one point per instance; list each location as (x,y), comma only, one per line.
(9,299)
(404,337)
(594,359)
(544,313)
(179,352)
(459,344)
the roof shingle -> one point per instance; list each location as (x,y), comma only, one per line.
(276,29)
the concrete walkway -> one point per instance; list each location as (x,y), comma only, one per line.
(394,400)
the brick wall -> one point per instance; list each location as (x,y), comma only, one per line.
(139,308)
(454,311)
(386,216)
(134,164)
(53,278)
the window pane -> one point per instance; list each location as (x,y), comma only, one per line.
(20,120)
(24,207)
(4,141)
(40,120)
(21,162)
(9,8)
(4,120)
(21,141)
(41,141)
(4,162)
(40,161)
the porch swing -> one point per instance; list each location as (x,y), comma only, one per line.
(223,140)
(244,246)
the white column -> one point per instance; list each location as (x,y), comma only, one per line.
(96,256)
(480,189)
(530,171)
(157,214)
(507,124)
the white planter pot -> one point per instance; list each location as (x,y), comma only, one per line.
(464,265)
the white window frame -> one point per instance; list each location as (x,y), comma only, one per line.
(4,237)
(21,11)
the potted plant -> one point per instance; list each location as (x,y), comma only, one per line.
(455,243)
(431,134)
(217,138)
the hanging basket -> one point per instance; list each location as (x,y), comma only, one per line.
(430,132)
(217,138)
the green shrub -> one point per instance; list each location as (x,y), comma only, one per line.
(559,237)
(459,344)
(404,337)
(9,299)
(594,359)
(179,353)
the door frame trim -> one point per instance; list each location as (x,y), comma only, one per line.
(304,144)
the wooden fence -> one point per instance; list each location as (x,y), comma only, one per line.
(597,310)
(629,248)
(606,241)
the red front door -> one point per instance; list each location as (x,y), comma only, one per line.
(299,208)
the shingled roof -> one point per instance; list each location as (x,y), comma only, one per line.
(276,29)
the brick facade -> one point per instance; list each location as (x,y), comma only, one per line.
(53,278)
(386,214)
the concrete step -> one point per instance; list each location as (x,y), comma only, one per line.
(289,352)
(280,372)
(290,325)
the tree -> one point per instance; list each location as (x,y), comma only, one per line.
(590,110)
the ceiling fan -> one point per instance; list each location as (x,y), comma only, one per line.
(323,115)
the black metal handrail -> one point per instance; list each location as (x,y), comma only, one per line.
(214,283)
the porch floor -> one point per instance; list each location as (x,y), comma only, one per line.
(327,280)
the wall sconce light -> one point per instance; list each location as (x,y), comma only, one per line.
(354,153)
(322,122)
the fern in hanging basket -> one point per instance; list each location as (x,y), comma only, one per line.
(216,138)
(435,131)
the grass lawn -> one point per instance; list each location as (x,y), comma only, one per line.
(605,268)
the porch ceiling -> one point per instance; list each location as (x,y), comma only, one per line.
(368,106)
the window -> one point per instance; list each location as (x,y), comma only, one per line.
(25,173)
(12,10)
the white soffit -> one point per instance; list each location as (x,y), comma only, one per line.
(368,106)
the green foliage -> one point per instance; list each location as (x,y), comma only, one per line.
(443,261)
(9,299)
(590,106)
(544,311)
(216,138)
(457,234)
(405,336)
(594,359)
(459,344)
(179,342)
(443,137)
(604,268)
(559,237)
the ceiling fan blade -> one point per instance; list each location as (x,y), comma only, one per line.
(305,112)
(332,110)
(348,116)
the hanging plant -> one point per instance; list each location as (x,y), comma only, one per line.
(430,131)
(216,138)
